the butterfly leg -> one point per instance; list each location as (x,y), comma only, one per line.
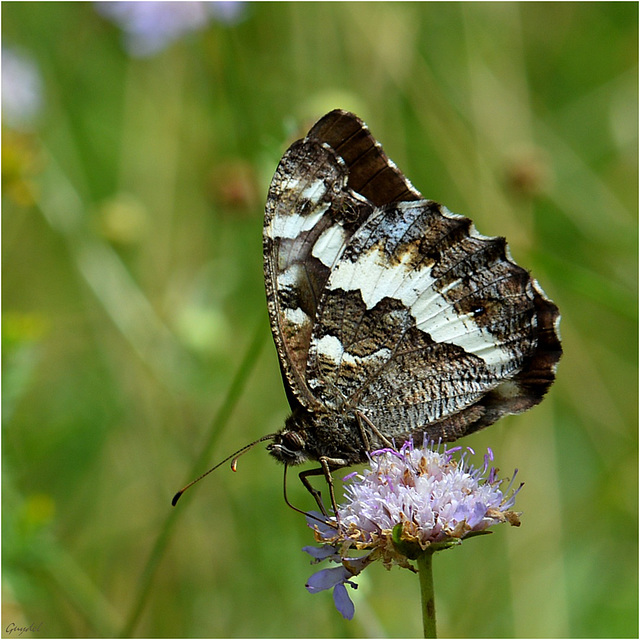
(304,477)
(286,497)
(304,513)
(363,419)
(328,465)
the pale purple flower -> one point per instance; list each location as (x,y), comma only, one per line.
(21,89)
(228,12)
(408,499)
(150,27)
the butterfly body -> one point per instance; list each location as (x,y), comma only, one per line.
(308,436)
(392,317)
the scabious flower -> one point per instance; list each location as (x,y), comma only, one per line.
(150,27)
(408,501)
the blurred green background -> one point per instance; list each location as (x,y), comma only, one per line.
(138,145)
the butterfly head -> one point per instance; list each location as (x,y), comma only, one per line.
(289,447)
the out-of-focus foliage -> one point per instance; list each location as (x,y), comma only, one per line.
(137,149)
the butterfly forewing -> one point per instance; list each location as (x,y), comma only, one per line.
(310,215)
(370,172)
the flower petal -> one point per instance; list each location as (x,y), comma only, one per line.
(343,602)
(325,526)
(326,579)
(321,553)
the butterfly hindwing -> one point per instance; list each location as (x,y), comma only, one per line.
(419,319)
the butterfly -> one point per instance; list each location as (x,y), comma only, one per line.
(392,317)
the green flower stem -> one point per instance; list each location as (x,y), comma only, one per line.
(425,573)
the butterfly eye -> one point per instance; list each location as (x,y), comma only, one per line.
(288,447)
(292,441)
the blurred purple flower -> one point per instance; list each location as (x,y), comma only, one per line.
(21,89)
(420,496)
(228,11)
(152,26)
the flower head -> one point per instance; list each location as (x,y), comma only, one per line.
(150,27)
(405,502)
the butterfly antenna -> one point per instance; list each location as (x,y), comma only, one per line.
(234,461)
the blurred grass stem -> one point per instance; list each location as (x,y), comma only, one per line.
(217,425)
